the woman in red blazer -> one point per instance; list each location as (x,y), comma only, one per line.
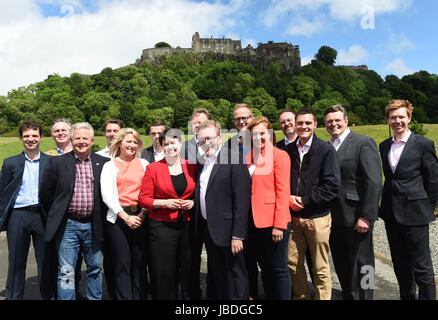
(270,217)
(167,192)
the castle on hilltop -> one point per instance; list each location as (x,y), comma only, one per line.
(225,49)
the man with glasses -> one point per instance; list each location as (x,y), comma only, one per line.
(221,218)
(242,140)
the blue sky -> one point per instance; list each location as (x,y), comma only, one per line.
(42,37)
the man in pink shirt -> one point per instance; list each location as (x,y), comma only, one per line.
(409,197)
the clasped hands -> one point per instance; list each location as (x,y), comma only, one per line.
(179,204)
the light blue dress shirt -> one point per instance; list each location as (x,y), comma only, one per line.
(28,194)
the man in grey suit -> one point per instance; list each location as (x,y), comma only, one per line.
(155,152)
(190,150)
(356,208)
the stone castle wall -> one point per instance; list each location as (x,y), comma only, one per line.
(224,49)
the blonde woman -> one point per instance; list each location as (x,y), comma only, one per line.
(124,230)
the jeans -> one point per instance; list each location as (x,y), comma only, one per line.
(78,235)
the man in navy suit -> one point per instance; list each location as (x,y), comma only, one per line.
(76,212)
(222,207)
(21,214)
(409,196)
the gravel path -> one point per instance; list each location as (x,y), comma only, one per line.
(381,242)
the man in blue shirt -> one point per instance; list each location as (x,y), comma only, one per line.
(21,214)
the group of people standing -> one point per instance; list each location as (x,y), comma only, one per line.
(144,215)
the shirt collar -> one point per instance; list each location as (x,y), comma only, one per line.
(36,159)
(341,137)
(86,159)
(287,141)
(155,150)
(308,143)
(404,139)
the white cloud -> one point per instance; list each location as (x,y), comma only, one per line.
(284,11)
(304,27)
(398,43)
(354,55)
(306,60)
(32,47)
(399,68)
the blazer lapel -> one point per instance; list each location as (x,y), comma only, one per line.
(217,166)
(71,169)
(343,148)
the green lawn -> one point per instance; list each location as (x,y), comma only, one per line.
(12,146)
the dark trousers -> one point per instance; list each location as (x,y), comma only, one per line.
(169,248)
(272,258)
(127,255)
(228,273)
(410,255)
(22,226)
(353,259)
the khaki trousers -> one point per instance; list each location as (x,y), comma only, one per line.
(313,234)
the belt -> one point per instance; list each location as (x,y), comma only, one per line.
(132,209)
(79,219)
(33,208)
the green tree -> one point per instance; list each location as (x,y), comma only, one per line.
(260,99)
(327,55)
(162,44)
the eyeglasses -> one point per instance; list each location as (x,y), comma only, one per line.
(207,139)
(244,119)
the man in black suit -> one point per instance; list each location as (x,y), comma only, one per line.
(409,197)
(356,208)
(222,206)
(76,212)
(286,118)
(315,179)
(155,152)
(21,214)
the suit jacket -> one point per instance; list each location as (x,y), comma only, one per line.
(227,201)
(189,151)
(361,181)
(148,154)
(10,182)
(157,184)
(281,144)
(411,192)
(316,180)
(271,189)
(59,184)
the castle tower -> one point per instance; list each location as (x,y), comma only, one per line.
(196,42)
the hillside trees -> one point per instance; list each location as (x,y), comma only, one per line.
(140,95)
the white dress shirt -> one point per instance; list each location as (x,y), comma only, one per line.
(304,149)
(204,178)
(336,143)
(158,155)
(287,141)
(396,150)
(105,152)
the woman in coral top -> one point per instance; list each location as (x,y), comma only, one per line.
(124,230)
(269,225)
(167,192)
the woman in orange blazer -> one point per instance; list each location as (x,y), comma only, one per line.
(167,192)
(270,217)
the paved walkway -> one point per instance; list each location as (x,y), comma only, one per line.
(386,287)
